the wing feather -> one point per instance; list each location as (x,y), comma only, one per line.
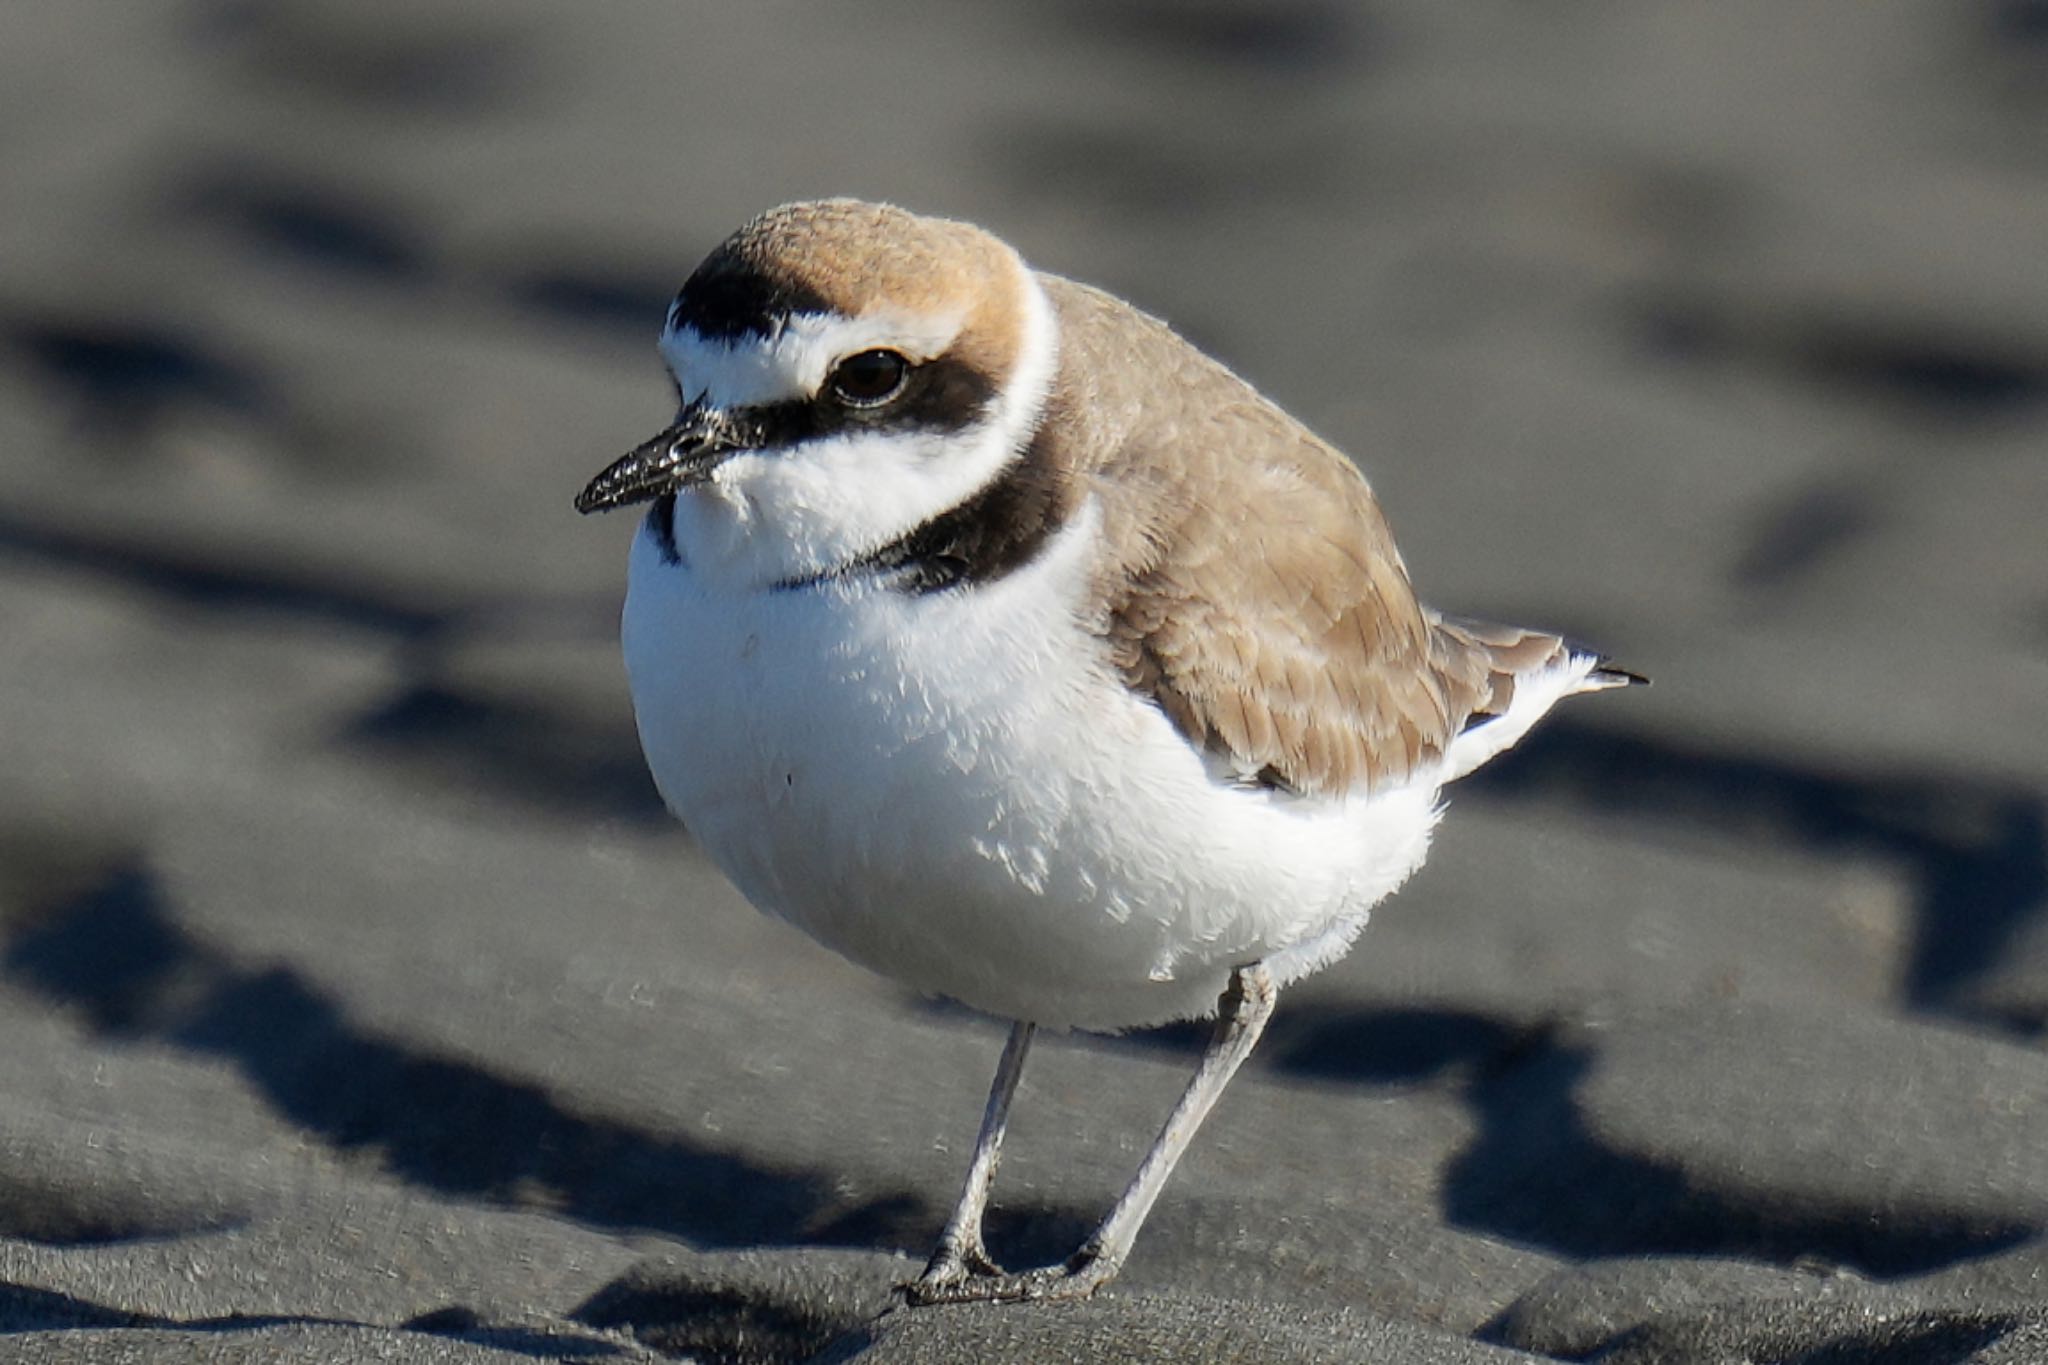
(1251,587)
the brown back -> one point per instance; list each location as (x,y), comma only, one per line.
(1251,585)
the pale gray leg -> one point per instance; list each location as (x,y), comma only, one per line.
(960,1253)
(1245,1007)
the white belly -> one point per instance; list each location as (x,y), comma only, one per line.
(951,790)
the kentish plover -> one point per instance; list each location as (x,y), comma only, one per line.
(991,634)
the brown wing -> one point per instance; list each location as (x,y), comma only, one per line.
(1482,660)
(1254,590)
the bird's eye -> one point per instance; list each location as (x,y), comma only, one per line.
(869,378)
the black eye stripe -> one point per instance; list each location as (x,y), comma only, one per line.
(940,396)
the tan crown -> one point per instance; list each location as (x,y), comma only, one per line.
(862,259)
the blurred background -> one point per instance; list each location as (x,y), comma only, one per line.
(1716,335)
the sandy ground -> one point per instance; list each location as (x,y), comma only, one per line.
(358,1002)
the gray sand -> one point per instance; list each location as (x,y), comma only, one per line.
(358,1002)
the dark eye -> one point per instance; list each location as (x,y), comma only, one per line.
(868,379)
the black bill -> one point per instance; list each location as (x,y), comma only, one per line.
(683,455)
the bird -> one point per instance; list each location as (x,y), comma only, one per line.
(997,638)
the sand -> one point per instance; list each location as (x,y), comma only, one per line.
(359,1002)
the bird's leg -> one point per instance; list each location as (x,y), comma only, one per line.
(1246,1005)
(960,1253)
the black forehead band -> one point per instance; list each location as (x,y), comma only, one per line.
(730,300)
(727,301)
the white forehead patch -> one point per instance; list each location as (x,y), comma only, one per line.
(792,361)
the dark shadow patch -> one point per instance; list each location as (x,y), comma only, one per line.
(1949,376)
(540,756)
(116,957)
(1030,1233)
(1398,1047)
(1982,876)
(114,942)
(1186,1036)
(123,379)
(1816,1335)
(1152,174)
(1976,849)
(466,1325)
(547,758)
(1921,1340)
(2017,23)
(723,1325)
(631,303)
(393,61)
(2003,61)
(850,1347)
(329,228)
(49,862)
(1408,1046)
(454,1320)
(900,1221)
(217,584)
(1802,531)
(26,1309)
(1293,38)
(1536,1175)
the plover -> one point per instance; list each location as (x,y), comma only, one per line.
(991,634)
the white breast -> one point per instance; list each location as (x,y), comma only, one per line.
(952,790)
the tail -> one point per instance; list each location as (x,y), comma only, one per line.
(1511,677)
(1606,673)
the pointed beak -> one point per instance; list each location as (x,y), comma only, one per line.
(683,455)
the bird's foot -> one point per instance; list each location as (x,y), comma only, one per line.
(953,1281)
(952,1264)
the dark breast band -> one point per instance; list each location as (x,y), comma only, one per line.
(989,536)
